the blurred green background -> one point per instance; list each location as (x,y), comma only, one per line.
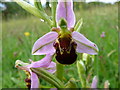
(97,18)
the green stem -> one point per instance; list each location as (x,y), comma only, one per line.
(59,71)
(59,67)
(54,4)
(81,56)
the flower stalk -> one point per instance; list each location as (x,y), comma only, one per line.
(54,4)
(59,67)
(59,71)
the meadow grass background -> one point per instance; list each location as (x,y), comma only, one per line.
(15,45)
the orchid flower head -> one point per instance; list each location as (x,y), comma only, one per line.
(32,80)
(63,41)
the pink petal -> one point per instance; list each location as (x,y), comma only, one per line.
(52,67)
(83,44)
(45,62)
(47,49)
(65,10)
(44,45)
(34,80)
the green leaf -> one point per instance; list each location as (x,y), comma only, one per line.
(48,77)
(33,10)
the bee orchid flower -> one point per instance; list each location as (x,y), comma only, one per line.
(63,41)
(32,80)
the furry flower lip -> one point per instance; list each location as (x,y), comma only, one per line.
(65,49)
(63,41)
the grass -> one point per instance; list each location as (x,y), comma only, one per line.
(15,45)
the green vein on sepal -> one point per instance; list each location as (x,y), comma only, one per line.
(87,45)
(41,47)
